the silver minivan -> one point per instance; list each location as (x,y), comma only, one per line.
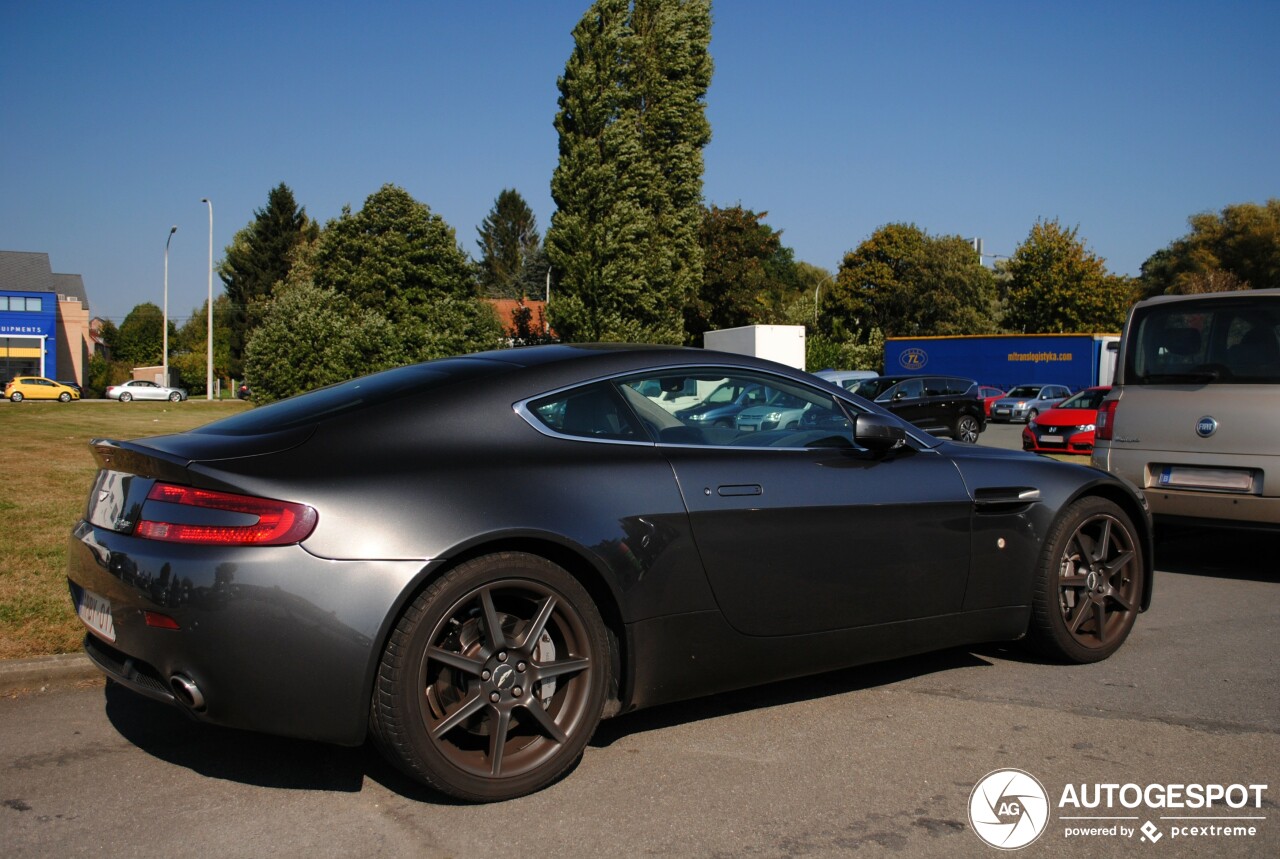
(1194,415)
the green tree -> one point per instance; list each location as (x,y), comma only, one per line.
(509,243)
(109,336)
(748,276)
(1237,249)
(259,257)
(399,260)
(140,340)
(190,355)
(311,336)
(623,241)
(903,282)
(1057,285)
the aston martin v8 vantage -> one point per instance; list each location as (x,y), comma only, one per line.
(474,560)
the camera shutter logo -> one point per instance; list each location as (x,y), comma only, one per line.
(1009,809)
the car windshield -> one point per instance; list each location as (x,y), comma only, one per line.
(872,388)
(1024,391)
(784,400)
(726,393)
(1089,399)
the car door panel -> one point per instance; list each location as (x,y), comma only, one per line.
(803,541)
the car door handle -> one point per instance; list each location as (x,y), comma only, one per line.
(740,489)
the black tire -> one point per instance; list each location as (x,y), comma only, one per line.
(1089,581)
(1032,415)
(126,397)
(484,716)
(16,397)
(174,397)
(966,429)
(64,397)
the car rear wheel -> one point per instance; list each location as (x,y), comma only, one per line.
(1088,586)
(174,397)
(494,678)
(64,397)
(966,429)
(126,397)
(16,396)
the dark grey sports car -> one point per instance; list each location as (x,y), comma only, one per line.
(474,560)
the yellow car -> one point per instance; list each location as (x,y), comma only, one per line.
(39,388)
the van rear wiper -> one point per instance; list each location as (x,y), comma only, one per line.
(1198,377)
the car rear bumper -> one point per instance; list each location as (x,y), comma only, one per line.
(1252,509)
(270,639)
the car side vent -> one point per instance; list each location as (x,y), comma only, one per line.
(1005,499)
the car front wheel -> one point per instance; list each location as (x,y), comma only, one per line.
(966,429)
(1032,415)
(174,397)
(64,397)
(1088,587)
(494,679)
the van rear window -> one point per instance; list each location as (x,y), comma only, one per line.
(1215,341)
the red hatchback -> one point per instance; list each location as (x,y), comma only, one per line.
(989,395)
(1067,427)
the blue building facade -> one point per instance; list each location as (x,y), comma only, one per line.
(28,334)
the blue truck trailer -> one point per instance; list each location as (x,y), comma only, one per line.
(1004,360)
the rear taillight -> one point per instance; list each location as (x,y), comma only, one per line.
(225,519)
(1106,420)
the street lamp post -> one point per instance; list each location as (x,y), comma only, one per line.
(165,337)
(208,378)
(816,289)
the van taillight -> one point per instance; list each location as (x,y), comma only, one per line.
(1106,420)
(225,519)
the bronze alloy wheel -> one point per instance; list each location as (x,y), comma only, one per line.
(507,660)
(1089,589)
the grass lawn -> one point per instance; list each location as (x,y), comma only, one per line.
(46,478)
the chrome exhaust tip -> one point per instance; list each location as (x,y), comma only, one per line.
(187,692)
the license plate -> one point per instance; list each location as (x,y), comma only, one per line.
(1049,439)
(95,611)
(747,428)
(1222,479)
(1002,411)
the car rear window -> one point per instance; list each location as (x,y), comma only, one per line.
(345,397)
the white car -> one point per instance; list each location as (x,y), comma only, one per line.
(138,389)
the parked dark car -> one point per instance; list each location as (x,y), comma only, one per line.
(940,404)
(722,406)
(476,559)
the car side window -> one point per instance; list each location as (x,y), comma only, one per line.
(779,413)
(592,412)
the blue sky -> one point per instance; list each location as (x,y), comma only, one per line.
(969,118)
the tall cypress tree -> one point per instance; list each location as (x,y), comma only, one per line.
(259,257)
(623,242)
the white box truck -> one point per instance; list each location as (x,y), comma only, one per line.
(781,343)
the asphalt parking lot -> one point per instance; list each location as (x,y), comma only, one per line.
(874,761)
